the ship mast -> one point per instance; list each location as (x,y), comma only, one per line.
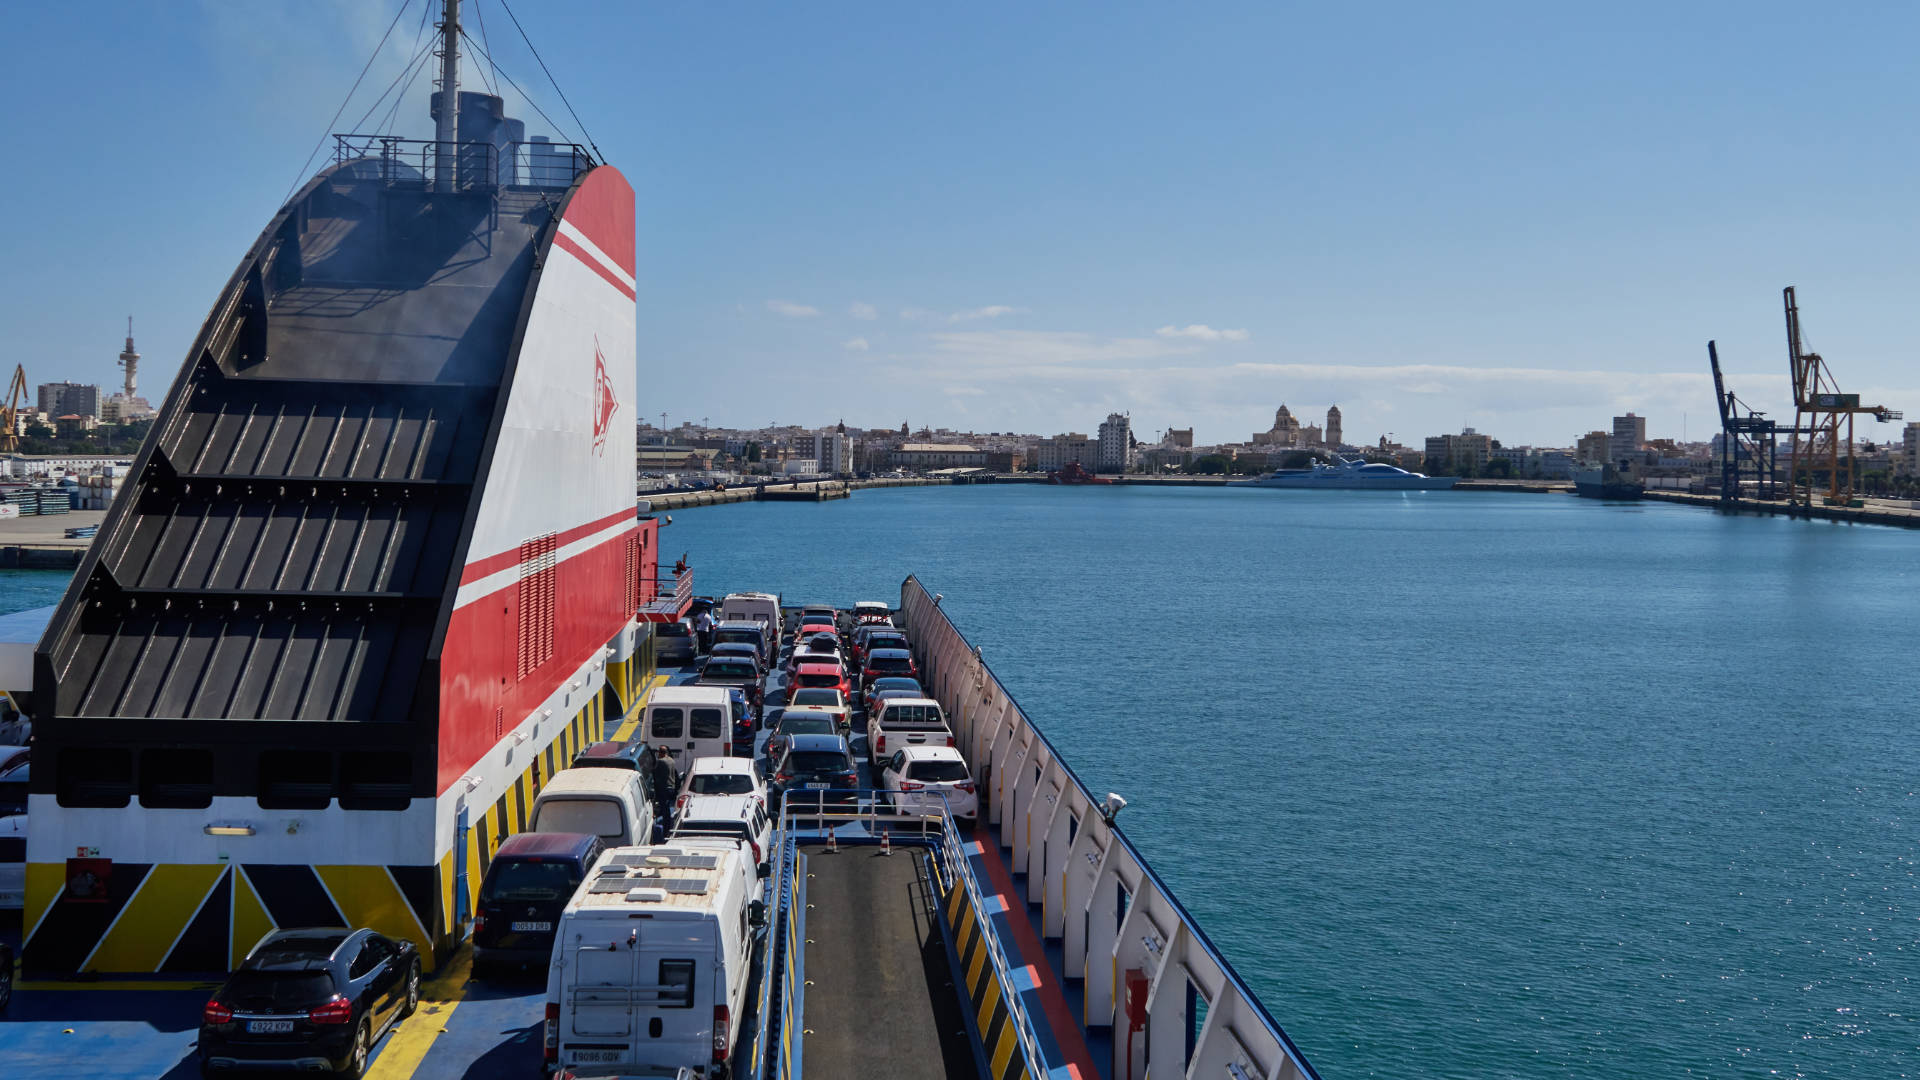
(446,132)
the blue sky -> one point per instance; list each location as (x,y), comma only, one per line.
(1518,217)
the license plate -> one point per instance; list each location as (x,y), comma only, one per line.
(818,787)
(269,1027)
(597,1057)
(532,927)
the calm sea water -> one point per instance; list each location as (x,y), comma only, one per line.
(1465,785)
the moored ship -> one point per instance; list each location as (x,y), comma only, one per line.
(1075,473)
(1605,482)
(1344,475)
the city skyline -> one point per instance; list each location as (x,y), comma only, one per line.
(1141,212)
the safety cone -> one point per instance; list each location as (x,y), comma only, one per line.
(886,841)
(833,841)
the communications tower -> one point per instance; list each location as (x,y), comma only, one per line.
(129,362)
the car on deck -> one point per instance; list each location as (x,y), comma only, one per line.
(799,722)
(529,881)
(878,637)
(823,699)
(720,776)
(872,612)
(925,778)
(814,623)
(313,1000)
(734,671)
(728,817)
(674,644)
(895,682)
(738,650)
(819,677)
(816,767)
(880,663)
(806,654)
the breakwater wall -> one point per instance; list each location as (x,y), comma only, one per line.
(41,556)
(807,491)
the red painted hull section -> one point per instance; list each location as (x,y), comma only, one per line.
(477,668)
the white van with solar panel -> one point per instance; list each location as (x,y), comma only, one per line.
(650,960)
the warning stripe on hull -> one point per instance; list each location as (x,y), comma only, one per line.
(997,1035)
(205,917)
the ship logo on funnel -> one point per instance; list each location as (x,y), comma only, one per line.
(604,403)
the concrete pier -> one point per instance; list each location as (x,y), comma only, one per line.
(805,491)
(39,542)
(1875,512)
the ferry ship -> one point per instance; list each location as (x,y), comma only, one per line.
(1606,482)
(1345,475)
(378,573)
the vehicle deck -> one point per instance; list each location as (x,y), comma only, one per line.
(883,1001)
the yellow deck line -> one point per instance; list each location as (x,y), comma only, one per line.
(631,722)
(414,1036)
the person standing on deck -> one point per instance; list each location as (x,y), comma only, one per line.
(703,630)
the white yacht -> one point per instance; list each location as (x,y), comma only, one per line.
(1344,475)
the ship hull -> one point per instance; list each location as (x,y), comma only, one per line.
(360,601)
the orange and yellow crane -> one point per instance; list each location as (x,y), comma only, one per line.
(1824,416)
(12,407)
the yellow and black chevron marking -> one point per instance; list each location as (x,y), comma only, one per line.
(204,917)
(983,990)
(489,828)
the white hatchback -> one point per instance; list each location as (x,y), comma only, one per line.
(721,776)
(920,776)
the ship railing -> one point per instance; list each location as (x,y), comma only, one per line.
(777,1051)
(810,816)
(664,599)
(476,166)
(1151,973)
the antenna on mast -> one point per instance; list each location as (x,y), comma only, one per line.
(446,129)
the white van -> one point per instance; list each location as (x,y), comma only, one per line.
(692,721)
(609,803)
(650,960)
(763,608)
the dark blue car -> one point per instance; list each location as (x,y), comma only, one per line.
(528,883)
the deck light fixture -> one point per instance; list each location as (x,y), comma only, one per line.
(217,829)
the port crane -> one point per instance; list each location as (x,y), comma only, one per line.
(1747,442)
(12,406)
(1825,416)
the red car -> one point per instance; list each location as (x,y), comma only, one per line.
(814,624)
(881,663)
(824,677)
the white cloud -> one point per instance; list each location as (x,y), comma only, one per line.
(1041,350)
(991,311)
(792,310)
(963,391)
(1202,332)
(858,344)
(863,312)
